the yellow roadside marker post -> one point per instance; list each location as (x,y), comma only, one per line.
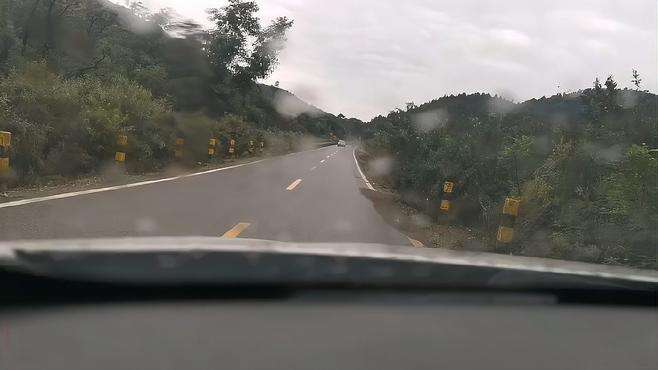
(5,144)
(505,232)
(120,155)
(212,144)
(122,140)
(251,147)
(445,205)
(446,202)
(178,149)
(231,148)
(262,146)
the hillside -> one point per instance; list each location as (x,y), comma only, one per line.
(581,164)
(288,104)
(79,74)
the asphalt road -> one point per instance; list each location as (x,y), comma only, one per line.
(311,196)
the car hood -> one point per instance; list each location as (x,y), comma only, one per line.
(204,260)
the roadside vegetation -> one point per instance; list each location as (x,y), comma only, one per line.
(581,163)
(77,74)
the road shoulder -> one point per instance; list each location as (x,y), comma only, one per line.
(421,230)
(113,180)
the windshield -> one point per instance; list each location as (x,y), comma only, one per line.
(518,128)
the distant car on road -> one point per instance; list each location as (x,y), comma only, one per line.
(342,143)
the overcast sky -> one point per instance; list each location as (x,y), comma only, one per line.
(366,57)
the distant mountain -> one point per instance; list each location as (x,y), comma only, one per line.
(557,109)
(288,104)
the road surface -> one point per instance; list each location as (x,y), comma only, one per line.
(311,196)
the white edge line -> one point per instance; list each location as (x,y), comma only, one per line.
(368,184)
(132,185)
(119,187)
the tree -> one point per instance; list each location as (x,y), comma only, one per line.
(630,201)
(520,158)
(239,49)
(97,21)
(597,85)
(7,37)
(611,94)
(610,84)
(636,79)
(267,47)
(138,8)
(411,106)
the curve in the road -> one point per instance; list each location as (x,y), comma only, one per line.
(324,205)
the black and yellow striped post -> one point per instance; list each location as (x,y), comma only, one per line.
(505,232)
(5,145)
(178,148)
(212,146)
(252,147)
(262,147)
(448,191)
(122,144)
(231,148)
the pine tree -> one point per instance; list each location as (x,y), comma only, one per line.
(636,79)
(611,94)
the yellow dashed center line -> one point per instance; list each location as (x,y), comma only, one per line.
(236,230)
(294,185)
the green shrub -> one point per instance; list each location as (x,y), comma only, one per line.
(70,127)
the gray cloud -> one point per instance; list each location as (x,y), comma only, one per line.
(363,58)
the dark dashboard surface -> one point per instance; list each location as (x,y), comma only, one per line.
(204,303)
(331,330)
